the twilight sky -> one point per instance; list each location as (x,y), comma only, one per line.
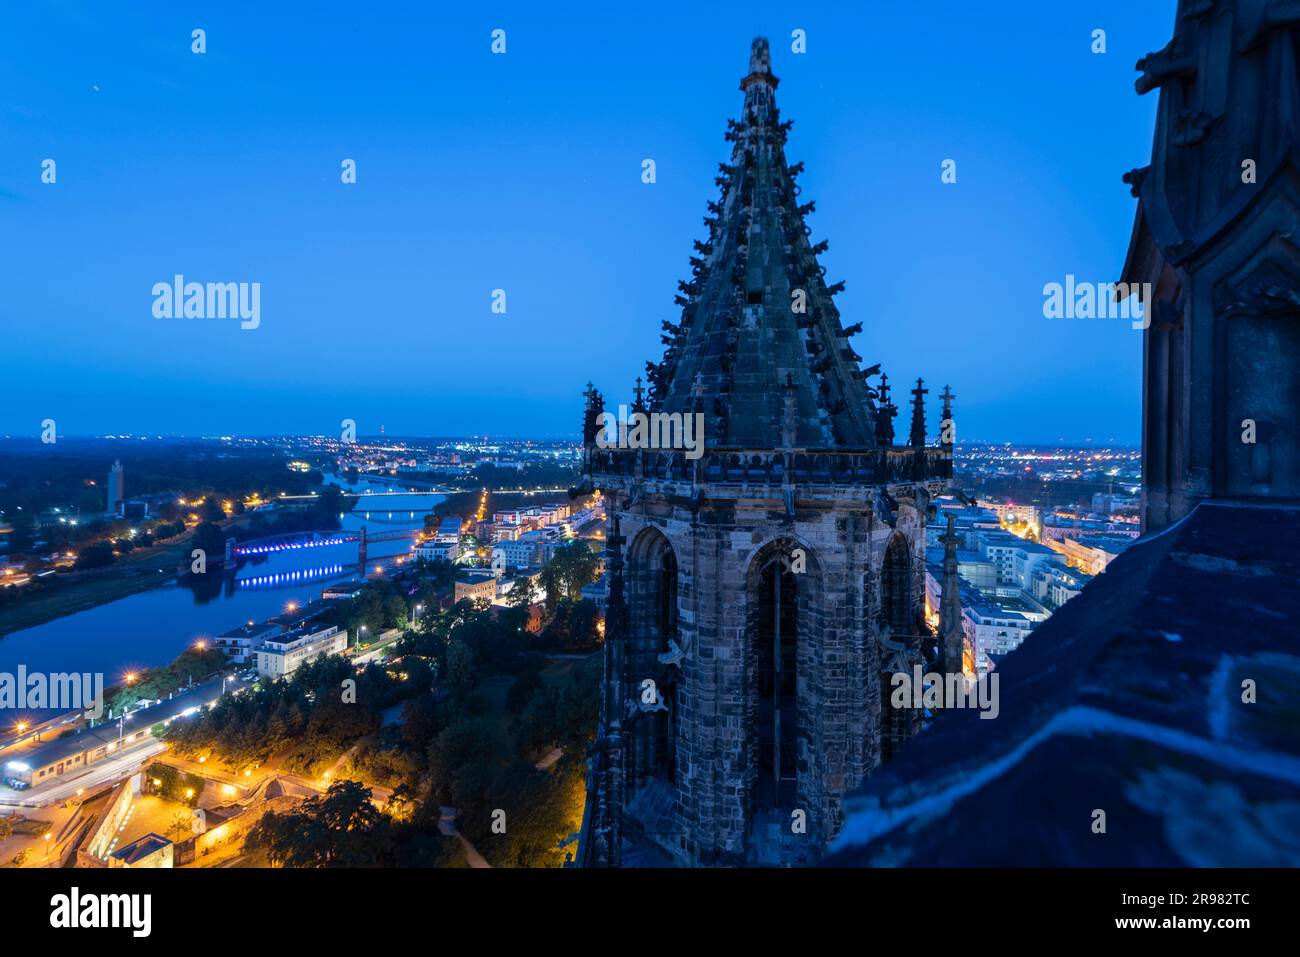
(522,171)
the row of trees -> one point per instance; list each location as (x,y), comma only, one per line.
(379,606)
(458,746)
(193,664)
(174,785)
(459,751)
(309,719)
(343,828)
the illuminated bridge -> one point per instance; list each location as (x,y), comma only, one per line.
(296,540)
(409,493)
(365,494)
(283,543)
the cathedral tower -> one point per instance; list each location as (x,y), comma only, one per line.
(1215,241)
(761,582)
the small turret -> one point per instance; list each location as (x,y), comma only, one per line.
(916,438)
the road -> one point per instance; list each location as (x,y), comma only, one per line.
(248,783)
(245,783)
(103,772)
(109,770)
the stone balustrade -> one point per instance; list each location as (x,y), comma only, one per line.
(859,467)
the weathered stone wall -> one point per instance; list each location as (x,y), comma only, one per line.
(718,552)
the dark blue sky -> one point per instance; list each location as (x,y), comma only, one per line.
(522,172)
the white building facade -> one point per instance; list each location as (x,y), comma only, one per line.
(280,656)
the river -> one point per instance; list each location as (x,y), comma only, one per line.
(153,627)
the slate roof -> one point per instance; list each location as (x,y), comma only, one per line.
(740,336)
(1128,700)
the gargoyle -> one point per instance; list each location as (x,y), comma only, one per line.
(1164,65)
(674,655)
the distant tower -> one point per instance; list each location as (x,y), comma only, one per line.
(761,580)
(952,633)
(115,496)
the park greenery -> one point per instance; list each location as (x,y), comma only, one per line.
(305,721)
(467,712)
(172,784)
(463,750)
(572,568)
(343,828)
(193,664)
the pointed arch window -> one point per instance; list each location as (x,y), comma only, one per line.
(776,719)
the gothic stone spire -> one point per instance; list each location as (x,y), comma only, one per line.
(756,311)
(946,430)
(916,438)
(886,411)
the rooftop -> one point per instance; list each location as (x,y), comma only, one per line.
(1129,699)
(167,709)
(250,630)
(141,848)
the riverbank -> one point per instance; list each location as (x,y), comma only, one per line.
(141,570)
(129,575)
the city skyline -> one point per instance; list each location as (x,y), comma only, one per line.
(740,438)
(535,149)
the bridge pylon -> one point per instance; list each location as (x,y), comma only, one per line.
(361,552)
